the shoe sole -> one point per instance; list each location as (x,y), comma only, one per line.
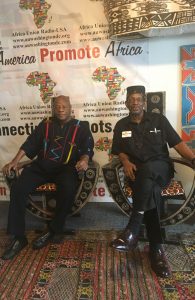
(122,250)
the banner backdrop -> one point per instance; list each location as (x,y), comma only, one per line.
(62,47)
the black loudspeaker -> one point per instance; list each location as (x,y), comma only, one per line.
(156,102)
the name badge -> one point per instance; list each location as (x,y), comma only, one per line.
(126,134)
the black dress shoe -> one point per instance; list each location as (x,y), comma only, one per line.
(159,263)
(14,248)
(125,242)
(43,240)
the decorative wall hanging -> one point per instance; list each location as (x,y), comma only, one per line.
(131,19)
(188,94)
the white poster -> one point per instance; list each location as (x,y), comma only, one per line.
(57,47)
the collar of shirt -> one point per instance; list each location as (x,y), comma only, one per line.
(57,121)
(146,117)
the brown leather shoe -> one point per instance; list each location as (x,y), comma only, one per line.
(159,263)
(125,242)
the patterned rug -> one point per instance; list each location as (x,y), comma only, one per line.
(85,267)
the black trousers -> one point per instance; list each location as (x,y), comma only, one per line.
(151,178)
(66,180)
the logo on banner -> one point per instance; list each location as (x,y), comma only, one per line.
(111,78)
(44,82)
(104,144)
(39,9)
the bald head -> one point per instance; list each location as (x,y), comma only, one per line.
(63,98)
(62,108)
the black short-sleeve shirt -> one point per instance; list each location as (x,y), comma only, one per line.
(144,141)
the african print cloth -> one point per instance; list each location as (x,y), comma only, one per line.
(137,19)
(188,94)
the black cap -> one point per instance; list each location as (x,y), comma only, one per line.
(136,89)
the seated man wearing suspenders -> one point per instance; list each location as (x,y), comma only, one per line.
(62,147)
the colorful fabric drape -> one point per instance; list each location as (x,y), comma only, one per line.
(188,94)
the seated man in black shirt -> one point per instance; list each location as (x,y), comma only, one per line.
(140,140)
(62,147)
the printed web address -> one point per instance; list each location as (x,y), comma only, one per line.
(105,115)
(31,118)
(88,110)
(40,44)
(35,112)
